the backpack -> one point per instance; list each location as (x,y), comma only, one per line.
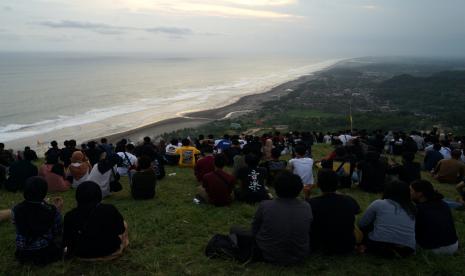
(222,247)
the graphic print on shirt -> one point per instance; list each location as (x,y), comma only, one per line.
(187,157)
(254,185)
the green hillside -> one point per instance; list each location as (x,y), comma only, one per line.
(168,235)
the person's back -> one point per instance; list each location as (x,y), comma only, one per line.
(303,167)
(93,229)
(274,166)
(38,224)
(253,180)
(19,172)
(144,180)
(218,186)
(56,182)
(389,223)
(372,173)
(187,154)
(434,224)
(205,164)
(281,227)
(333,217)
(409,170)
(450,170)
(432,157)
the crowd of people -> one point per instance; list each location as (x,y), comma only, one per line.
(285,229)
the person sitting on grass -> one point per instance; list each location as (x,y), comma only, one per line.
(38,225)
(281,227)
(372,173)
(217,186)
(187,154)
(104,172)
(303,167)
(275,165)
(170,152)
(206,164)
(144,180)
(388,224)
(450,170)
(432,157)
(19,172)
(333,217)
(409,170)
(94,230)
(79,168)
(54,173)
(252,178)
(434,224)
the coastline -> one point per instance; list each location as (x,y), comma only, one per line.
(243,105)
(188,119)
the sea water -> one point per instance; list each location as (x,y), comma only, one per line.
(46,96)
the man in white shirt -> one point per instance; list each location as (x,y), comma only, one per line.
(303,167)
(345,138)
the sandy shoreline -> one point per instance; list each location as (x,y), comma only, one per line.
(194,119)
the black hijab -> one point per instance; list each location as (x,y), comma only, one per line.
(108,163)
(33,217)
(88,196)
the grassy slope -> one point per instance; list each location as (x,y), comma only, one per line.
(168,236)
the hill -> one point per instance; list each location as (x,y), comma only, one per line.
(168,236)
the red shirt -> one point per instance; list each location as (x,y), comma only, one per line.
(204,166)
(219,186)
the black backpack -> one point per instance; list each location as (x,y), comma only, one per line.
(222,247)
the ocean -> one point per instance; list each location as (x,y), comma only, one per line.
(57,96)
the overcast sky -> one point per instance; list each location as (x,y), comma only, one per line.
(337,28)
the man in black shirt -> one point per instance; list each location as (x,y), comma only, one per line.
(252,180)
(281,226)
(333,217)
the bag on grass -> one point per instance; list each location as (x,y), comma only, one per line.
(222,247)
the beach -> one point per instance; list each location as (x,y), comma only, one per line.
(194,119)
(200,107)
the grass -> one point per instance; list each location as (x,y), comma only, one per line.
(168,235)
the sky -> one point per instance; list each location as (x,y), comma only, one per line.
(330,28)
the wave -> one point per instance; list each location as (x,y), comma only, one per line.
(207,97)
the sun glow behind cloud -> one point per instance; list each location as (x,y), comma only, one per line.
(221,8)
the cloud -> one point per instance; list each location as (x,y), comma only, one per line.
(216,8)
(171,31)
(115,30)
(261,2)
(95,27)
(7,8)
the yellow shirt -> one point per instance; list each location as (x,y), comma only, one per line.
(187,156)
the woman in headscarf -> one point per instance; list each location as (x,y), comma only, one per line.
(38,225)
(93,230)
(54,173)
(79,168)
(104,172)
